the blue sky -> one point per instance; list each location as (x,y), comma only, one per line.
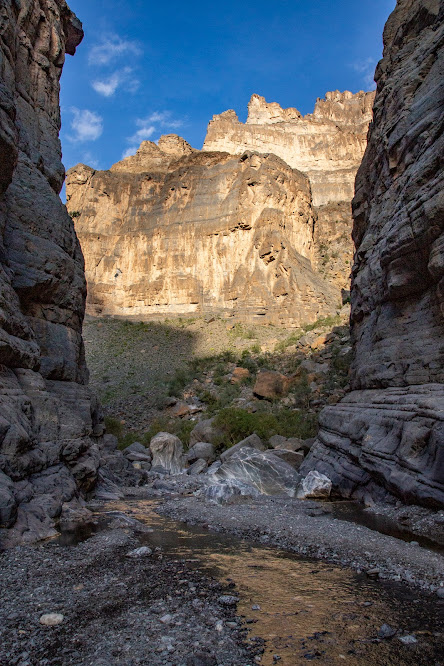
(151,68)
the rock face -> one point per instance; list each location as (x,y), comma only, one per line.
(387,435)
(327,145)
(173,230)
(48,419)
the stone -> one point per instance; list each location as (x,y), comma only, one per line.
(167,452)
(409,639)
(385,439)
(314,486)
(143,551)
(205,431)
(50,420)
(271,384)
(136,447)
(197,467)
(239,375)
(253,441)
(203,450)
(51,619)
(293,458)
(109,443)
(386,631)
(249,250)
(228,600)
(228,490)
(265,472)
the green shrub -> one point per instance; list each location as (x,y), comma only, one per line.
(236,424)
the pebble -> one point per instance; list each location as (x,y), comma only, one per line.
(166,619)
(386,631)
(255,607)
(408,640)
(228,600)
(51,619)
(440,592)
(144,551)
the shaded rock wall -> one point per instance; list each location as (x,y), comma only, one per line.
(48,418)
(387,436)
(173,230)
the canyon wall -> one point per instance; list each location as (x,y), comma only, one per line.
(173,230)
(327,145)
(49,421)
(386,438)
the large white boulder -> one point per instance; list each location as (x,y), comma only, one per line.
(167,452)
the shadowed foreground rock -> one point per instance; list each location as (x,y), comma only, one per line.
(49,421)
(387,436)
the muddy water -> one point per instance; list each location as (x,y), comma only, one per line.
(304,610)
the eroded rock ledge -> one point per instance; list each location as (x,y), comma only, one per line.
(49,421)
(387,436)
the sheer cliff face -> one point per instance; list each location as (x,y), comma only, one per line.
(388,434)
(175,230)
(46,413)
(327,145)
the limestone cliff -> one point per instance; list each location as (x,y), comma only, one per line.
(173,230)
(48,419)
(327,145)
(387,435)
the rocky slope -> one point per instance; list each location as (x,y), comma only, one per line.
(387,435)
(173,230)
(48,418)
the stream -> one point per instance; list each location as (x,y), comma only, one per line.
(304,610)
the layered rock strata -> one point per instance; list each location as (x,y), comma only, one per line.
(49,421)
(327,144)
(387,436)
(173,230)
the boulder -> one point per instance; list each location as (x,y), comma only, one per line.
(135,447)
(109,443)
(315,486)
(287,444)
(293,458)
(271,384)
(228,490)
(239,375)
(167,452)
(203,450)
(197,467)
(262,470)
(253,441)
(205,431)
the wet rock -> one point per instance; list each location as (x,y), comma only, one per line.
(253,441)
(167,452)
(204,450)
(264,471)
(315,485)
(197,467)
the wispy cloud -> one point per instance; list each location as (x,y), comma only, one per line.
(112,47)
(120,78)
(87,125)
(91,160)
(129,151)
(366,68)
(153,123)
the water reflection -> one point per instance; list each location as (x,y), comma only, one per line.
(305,610)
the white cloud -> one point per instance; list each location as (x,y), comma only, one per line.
(89,159)
(110,48)
(132,150)
(120,78)
(154,123)
(366,68)
(87,125)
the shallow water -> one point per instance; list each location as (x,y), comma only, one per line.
(308,610)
